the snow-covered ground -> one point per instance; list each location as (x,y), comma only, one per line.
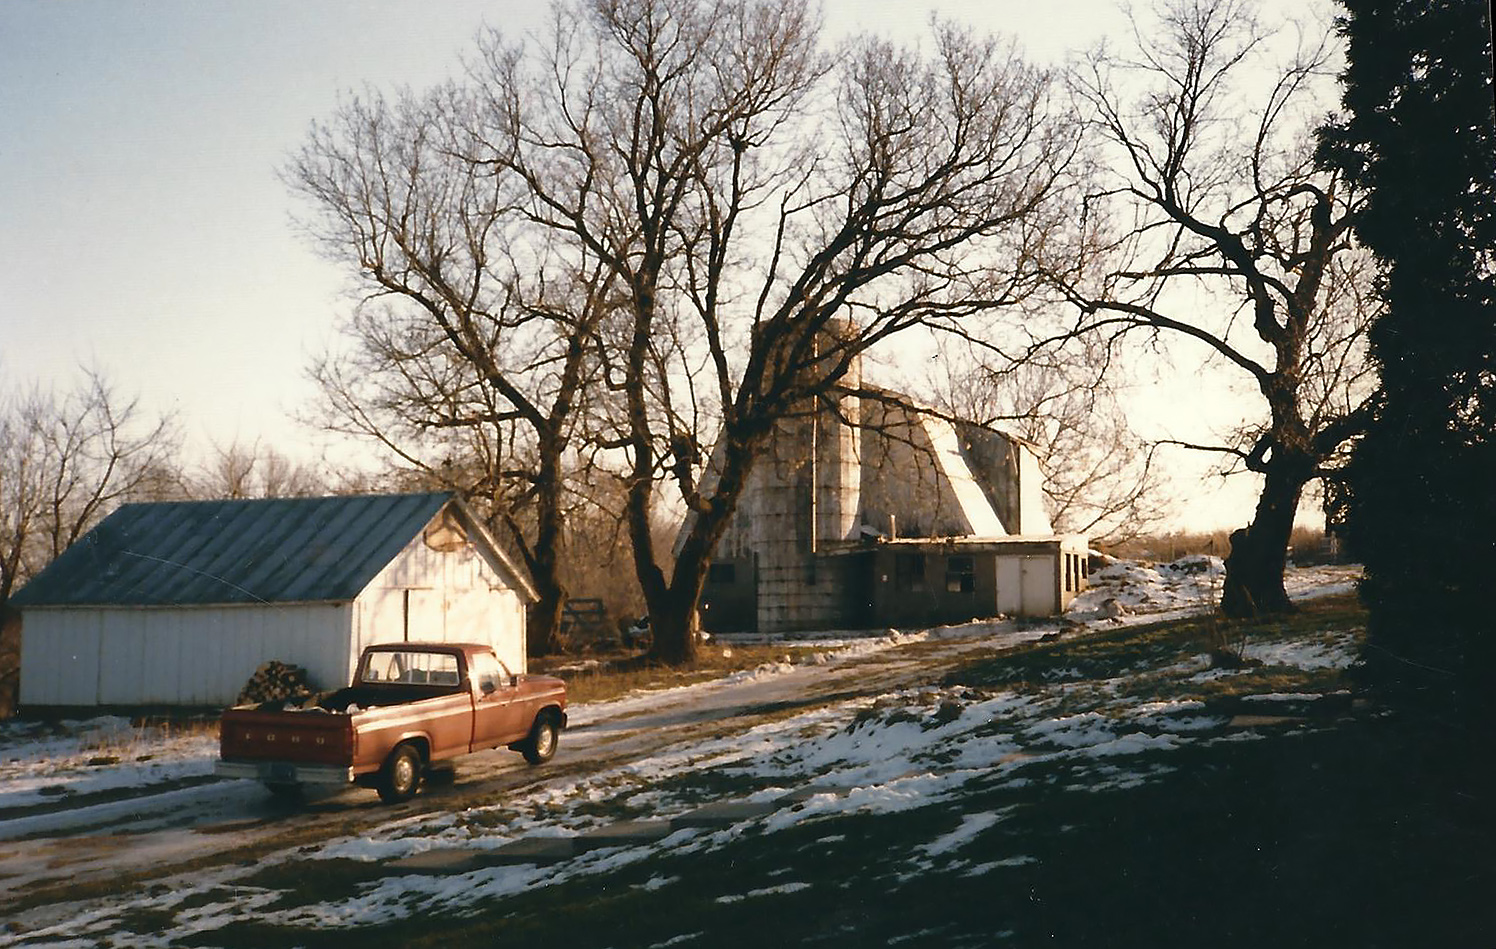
(42,762)
(904,750)
(1130,592)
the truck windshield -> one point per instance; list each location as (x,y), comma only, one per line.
(411,667)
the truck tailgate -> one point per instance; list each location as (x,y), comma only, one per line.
(312,738)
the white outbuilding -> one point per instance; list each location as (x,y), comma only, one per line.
(177,604)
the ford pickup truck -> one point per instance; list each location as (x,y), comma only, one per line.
(412,708)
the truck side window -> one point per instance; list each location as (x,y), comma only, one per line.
(488,674)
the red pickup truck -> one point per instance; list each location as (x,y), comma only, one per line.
(411,706)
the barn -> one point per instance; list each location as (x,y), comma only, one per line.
(176,604)
(867,510)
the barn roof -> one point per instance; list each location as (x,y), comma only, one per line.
(284,550)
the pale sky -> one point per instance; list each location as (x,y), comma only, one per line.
(143,229)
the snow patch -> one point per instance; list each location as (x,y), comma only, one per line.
(766,891)
(971,826)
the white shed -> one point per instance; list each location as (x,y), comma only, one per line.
(177,604)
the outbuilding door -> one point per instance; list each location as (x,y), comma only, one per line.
(1038,586)
(1026,585)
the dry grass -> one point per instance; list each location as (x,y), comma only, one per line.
(609,677)
(142,739)
(1306,545)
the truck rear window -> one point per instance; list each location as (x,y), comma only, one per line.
(411,668)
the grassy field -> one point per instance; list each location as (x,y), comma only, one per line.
(1344,837)
(1354,828)
(1305,545)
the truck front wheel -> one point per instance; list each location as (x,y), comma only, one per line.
(540,747)
(401,776)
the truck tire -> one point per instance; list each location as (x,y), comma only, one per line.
(540,747)
(400,777)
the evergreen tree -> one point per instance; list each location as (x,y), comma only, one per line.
(1418,504)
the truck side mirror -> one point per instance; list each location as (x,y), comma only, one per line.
(488,686)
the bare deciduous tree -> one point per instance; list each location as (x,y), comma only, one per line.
(65,461)
(765,217)
(470,353)
(256,470)
(1226,237)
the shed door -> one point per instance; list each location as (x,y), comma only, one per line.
(427,621)
(1038,586)
(1010,585)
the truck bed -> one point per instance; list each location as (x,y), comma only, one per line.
(352,729)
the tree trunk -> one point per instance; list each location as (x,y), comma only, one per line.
(543,635)
(1259,551)
(675,628)
(672,617)
(672,609)
(544,628)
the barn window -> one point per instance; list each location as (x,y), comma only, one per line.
(960,575)
(909,571)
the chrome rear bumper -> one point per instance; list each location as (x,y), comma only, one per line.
(284,772)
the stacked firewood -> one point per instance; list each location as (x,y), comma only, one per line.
(276,681)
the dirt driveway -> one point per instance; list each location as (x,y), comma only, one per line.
(63,856)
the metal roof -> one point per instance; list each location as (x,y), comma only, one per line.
(291,550)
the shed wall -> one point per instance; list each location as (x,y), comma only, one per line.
(922,587)
(455,595)
(174,655)
(729,601)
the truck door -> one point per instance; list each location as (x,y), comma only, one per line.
(496,713)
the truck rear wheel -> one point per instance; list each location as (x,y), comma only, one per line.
(540,747)
(401,776)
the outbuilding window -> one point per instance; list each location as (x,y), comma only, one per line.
(960,575)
